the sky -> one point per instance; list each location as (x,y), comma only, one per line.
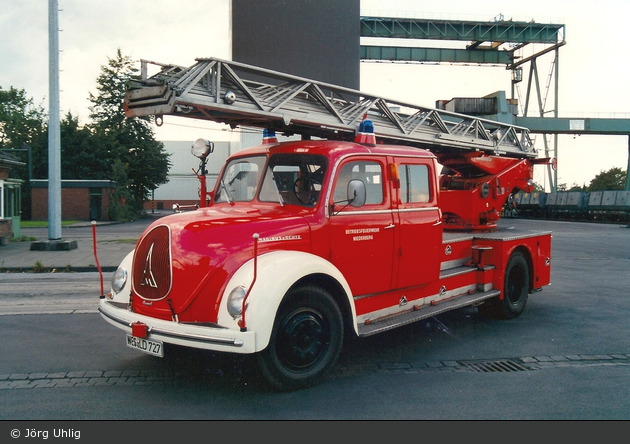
(593,65)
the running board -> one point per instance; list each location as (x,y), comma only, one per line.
(456,271)
(424,312)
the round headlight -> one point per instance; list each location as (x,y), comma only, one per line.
(235,301)
(119,279)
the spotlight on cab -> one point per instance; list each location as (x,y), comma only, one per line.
(201,148)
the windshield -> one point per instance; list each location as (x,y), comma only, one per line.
(294,179)
(240,180)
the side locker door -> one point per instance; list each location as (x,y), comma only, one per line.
(420,230)
(362,238)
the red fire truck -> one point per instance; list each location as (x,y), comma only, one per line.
(382,214)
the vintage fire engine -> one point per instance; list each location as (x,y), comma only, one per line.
(382,214)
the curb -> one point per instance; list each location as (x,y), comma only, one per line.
(107,269)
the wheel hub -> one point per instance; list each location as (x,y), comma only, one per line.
(302,341)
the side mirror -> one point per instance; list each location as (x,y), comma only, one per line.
(356,193)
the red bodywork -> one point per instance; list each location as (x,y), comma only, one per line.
(390,250)
(477,187)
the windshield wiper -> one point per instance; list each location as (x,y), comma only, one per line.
(227,193)
(275,185)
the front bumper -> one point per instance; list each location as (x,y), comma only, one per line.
(189,335)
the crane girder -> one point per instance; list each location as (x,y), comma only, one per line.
(243,95)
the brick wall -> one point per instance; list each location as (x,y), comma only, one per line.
(5,231)
(75,203)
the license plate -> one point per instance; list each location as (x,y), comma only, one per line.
(155,348)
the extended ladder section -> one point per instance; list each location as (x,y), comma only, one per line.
(243,95)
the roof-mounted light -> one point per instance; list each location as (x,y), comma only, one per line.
(365,135)
(202,148)
(269,136)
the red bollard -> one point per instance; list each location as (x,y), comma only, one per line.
(96,257)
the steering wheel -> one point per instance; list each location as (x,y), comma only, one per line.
(305,187)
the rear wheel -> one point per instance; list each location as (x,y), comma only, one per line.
(305,341)
(515,287)
(515,290)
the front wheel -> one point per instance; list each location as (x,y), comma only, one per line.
(305,341)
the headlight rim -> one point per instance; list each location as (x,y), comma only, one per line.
(234,303)
(119,282)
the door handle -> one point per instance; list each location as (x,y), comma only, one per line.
(389,226)
(437,223)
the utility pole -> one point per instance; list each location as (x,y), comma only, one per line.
(54,141)
(54,136)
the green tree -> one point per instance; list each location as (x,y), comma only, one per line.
(144,162)
(20,121)
(23,126)
(83,154)
(576,187)
(118,209)
(538,188)
(611,180)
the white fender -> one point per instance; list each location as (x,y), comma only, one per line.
(277,272)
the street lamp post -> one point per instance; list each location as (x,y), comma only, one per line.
(54,137)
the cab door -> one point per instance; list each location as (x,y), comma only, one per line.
(419,221)
(362,238)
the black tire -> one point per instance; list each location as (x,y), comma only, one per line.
(305,342)
(515,287)
(515,290)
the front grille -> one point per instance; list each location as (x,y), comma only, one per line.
(152,265)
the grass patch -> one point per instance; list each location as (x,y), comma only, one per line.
(43,223)
(112,241)
(23,239)
(38,267)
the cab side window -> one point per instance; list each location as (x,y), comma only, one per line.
(371,173)
(414,183)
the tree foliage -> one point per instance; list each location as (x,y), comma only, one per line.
(611,180)
(23,127)
(83,154)
(21,122)
(111,146)
(144,163)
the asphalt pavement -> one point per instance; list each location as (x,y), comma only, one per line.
(571,350)
(114,240)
